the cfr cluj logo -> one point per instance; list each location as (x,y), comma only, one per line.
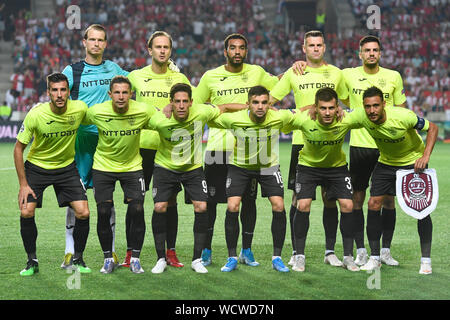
(417,193)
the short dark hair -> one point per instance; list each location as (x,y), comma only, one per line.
(325,94)
(119,79)
(158,34)
(313,33)
(180,87)
(257,91)
(234,36)
(367,39)
(373,92)
(56,77)
(97,27)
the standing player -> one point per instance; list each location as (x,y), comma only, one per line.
(119,122)
(152,85)
(323,162)
(229,83)
(179,161)
(363,150)
(316,75)
(89,82)
(53,127)
(255,156)
(395,133)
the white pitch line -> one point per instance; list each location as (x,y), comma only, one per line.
(5,169)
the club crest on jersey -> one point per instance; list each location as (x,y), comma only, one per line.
(382,82)
(417,193)
(131,120)
(71,120)
(244,77)
(326,74)
(169,81)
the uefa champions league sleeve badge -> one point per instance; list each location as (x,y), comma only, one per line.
(417,193)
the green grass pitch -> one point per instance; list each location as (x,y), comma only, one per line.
(318,282)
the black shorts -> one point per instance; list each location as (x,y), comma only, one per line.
(66,183)
(293,165)
(132,184)
(383,179)
(362,163)
(336,181)
(216,171)
(270,180)
(167,182)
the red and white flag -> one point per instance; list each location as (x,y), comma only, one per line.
(417,193)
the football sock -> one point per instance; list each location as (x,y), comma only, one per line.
(172,226)
(200,233)
(301,227)
(346,228)
(211,210)
(291,225)
(28,231)
(127,228)
(374,230)
(278,231)
(137,225)
(388,217)
(112,221)
(231,232)
(80,236)
(425,229)
(70,223)
(358,216)
(104,231)
(248,221)
(330,224)
(159,225)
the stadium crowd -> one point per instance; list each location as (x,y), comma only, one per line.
(414,35)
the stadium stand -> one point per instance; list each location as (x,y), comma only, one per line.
(414,36)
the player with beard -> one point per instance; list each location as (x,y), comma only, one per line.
(363,149)
(229,83)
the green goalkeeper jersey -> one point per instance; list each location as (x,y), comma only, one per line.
(220,86)
(54,135)
(305,86)
(357,81)
(180,147)
(154,89)
(118,135)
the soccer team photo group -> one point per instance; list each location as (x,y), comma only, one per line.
(317,174)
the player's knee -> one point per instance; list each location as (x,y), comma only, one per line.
(358,199)
(375,203)
(389,202)
(160,207)
(81,211)
(172,201)
(346,205)
(136,207)
(27,213)
(233,206)
(277,205)
(304,206)
(200,206)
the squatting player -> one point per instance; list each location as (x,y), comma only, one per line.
(89,82)
(255,156)
(52,126)
(323,162)
(119,122)
(179,161)
(395,133)
(316,75)
(229,83)
(152,85)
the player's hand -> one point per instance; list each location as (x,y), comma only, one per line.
(24,192)
(299,67)
(172,66)
(340,114)
(421,164)
(168,111)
